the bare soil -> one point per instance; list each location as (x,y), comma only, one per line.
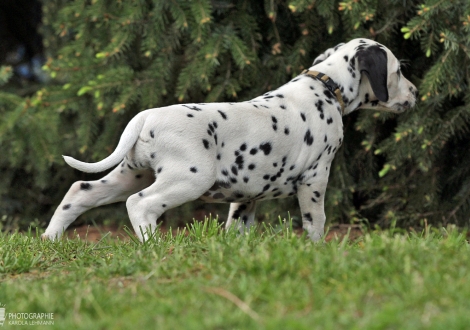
(94,234)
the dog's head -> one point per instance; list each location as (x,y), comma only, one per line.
(369,76)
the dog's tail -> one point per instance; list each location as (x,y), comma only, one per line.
(128,139)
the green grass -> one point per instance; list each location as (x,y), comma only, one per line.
(210,279)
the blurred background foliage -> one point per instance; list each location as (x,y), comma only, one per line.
(73,73)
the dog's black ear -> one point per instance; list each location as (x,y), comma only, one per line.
(373,62)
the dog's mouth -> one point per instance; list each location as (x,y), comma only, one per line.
(394,108)
(398,107)
(401,107)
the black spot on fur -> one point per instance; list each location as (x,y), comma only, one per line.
(302,115)
(66,206)
(163,205)
(159,169)
(206,143)
(329,121)
(245,179)
(282,106)
(193,169)
(218,196)
(352,62)
(239,195)
(319,105)
(346,58)
(308,217)
(104,181)
(308,138)
(239,161)
(274,119)
(314,200)
(152,155)
(286,131)
(253,151)
(189,115)
(243,147)
(234,170)
(280,96)
(251,166)
(224,116)
(266,147)
(218,156)
(275,127)
(85,186)
(328,94)
(266,176)
(225,172)
(141,194)
(266,187)
(151,134)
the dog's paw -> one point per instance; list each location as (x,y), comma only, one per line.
(316,236)
(49,237)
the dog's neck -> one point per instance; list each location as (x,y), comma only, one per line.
(329,83)
(353,88)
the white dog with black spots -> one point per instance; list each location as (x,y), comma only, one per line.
(276,145)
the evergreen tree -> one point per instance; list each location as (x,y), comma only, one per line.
(109,60)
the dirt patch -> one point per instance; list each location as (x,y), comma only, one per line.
(94,234)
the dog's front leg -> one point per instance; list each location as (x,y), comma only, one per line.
(242,215)
(311,200)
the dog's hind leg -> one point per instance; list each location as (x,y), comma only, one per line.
(242,215)
(117,186)
(173,186)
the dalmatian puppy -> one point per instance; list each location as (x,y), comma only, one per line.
(276,145)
